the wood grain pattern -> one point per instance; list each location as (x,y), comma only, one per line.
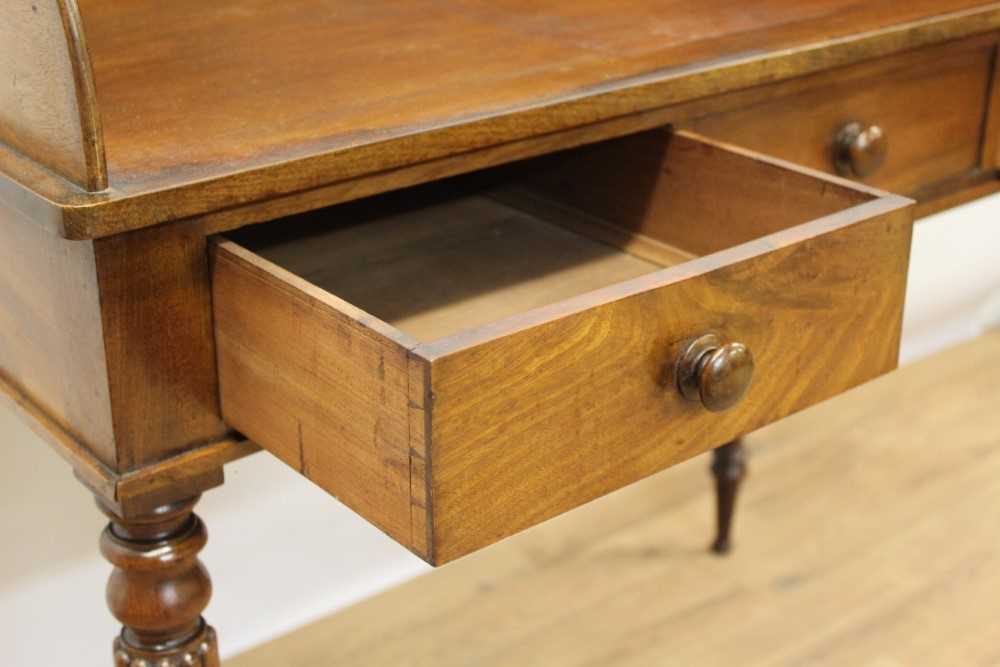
(498,56)
(89,469)
(927,143)
(157,323)
(324,384)
(591,226)
(107,352)
(48,105)
(432,267)
(108,345)
(990,157)
(825,573)
(665,187)
(981,186)
(180,476)
(421,491)
(576,399)
(516,420)
(198,469)
(510,72)
(51,336)
(158,587)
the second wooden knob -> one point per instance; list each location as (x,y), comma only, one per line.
(859,150)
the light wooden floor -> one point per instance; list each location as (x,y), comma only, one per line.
(868,535)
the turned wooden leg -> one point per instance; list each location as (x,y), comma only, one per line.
(729,466)
(159,588)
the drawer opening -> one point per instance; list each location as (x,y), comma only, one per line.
(463,360)
(442,265)
(439,259)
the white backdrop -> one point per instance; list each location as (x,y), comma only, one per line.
(267,520)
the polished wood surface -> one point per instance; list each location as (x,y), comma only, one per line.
(981,186)
(509,73)
(864,539)
(48,106)
(174,473)
(507,396)
(655,185)
(383,66)
(493,414)
(437,268)
(133,492)
(52,345)
(129,319)
(107,351)
(576,399)
(157,324)
(922,144)
(431,272)
(990,159)
(323,383)
(158,587)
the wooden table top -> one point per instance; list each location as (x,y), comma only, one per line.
(211,105)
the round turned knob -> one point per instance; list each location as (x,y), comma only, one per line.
(859,150)
(714,372)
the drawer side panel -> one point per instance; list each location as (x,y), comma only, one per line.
(317,387)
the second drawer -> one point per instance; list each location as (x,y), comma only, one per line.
(457,363)
(907,123)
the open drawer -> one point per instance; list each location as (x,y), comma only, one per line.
(464,360)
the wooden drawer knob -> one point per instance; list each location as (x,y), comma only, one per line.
(859,150)
(714,372)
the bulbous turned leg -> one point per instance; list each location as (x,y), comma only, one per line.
(159,588)
(729,466)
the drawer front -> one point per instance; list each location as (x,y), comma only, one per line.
(928,106)
(575,405)
(451,444)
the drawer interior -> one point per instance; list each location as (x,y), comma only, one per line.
(462,360)
(438,259)
(437,265)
